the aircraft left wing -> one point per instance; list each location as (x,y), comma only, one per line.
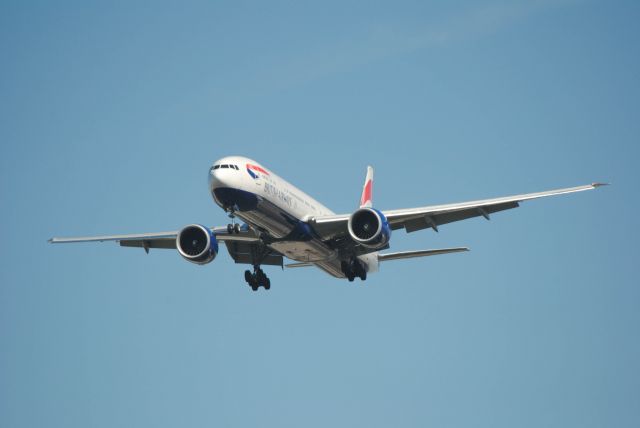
(164,240)
(413,219)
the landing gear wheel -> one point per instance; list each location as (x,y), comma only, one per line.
(257,279)
(229,228)
(353,269)
(236,228)
(344,267)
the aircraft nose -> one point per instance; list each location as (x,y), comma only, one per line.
(223,176)
(216,178)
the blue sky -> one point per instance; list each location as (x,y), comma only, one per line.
(112,114)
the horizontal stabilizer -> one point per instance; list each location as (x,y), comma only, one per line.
(419,253)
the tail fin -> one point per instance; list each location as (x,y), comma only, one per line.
(366,200)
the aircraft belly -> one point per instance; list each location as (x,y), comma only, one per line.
(274,226)
(280,224)
(304,251)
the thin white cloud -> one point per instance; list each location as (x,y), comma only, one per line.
(381,42)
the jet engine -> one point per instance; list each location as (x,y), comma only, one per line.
(197,244)
(369,227)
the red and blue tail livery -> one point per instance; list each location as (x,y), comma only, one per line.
(366,200)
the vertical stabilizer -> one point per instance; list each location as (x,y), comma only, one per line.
(366,200)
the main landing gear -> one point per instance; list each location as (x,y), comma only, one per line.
(353,269)
(257,279)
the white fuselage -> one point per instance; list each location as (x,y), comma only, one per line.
(273,206)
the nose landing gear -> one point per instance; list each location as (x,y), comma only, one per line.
(233,228)
(257,279)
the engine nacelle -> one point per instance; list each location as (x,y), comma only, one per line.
(369,227)
(197,244)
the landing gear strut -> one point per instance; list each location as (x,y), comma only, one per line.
(257,279)
(353,269)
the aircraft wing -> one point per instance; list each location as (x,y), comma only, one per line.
(413,219)
(165,240)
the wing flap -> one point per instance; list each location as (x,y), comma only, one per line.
(162,243)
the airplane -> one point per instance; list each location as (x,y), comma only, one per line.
(281,221)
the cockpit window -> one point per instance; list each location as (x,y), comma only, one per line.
(227,166)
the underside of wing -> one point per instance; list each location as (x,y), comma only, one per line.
(432,219)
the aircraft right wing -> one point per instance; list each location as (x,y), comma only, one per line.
(413,219)
(164,240)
